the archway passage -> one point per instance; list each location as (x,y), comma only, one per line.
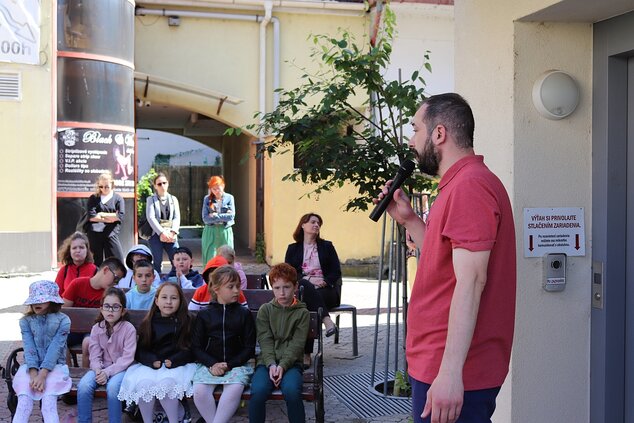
(189,165)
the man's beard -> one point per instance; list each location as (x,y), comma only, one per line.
(429,160)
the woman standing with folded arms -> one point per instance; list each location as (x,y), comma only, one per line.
(105,214)
(218,213)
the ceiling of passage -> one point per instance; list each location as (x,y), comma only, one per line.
(162,117)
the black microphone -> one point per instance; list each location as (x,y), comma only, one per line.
(403,173)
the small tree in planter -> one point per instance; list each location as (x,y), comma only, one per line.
(338,139)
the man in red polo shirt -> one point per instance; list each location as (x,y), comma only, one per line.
(462,310)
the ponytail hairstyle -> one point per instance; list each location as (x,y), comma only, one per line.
(158,175)
(182,318)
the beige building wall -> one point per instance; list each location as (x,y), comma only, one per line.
(210,54)
(240,172)
(542,163)
(27,165)
(353,234)
(419,28)
(213,55)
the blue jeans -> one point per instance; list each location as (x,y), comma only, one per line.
(478,406)
(157,246)
(291,386)
(86,393)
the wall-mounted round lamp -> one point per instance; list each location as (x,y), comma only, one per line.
(555,94)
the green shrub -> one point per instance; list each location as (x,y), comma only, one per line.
(260,248)
(143,191)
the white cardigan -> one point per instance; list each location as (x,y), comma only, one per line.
(153,213)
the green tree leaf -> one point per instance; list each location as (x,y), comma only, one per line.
(343,121)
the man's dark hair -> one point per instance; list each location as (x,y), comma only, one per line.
(454,113)
(113,263)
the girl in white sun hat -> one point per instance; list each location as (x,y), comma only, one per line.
(44,376)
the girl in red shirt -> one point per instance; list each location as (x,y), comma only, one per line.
(77,261)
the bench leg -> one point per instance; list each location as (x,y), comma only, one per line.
(12,401)
(355,341)
(337,332)
(13,364)
(320,413)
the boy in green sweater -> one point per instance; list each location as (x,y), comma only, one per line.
(282,329)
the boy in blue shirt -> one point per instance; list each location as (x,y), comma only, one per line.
(141,296)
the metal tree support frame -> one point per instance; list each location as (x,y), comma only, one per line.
(396,280)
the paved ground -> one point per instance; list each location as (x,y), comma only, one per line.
(338,358)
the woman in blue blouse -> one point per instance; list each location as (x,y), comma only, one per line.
(219,212)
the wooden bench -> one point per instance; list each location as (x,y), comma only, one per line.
(313,389)
(82,320)
(258,281)
(75,350)
(257,297)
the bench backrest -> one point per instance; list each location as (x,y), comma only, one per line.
(257,297)
(82,319)
(188,294)
(256,281)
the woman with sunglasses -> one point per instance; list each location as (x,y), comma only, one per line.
(163,214)
(105,215)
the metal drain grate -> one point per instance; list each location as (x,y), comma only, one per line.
(355,392)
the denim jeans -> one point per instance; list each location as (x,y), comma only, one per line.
(157,246)
(478,406)
(291,386)
(86,392)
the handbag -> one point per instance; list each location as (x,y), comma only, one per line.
(145,229)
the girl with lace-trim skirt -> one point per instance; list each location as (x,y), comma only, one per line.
(165,363)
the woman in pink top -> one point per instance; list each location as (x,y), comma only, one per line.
(112,348)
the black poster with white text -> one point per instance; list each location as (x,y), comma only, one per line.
(83,154)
